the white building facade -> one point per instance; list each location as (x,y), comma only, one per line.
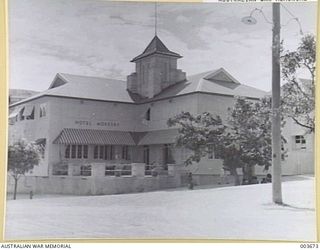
(93,130)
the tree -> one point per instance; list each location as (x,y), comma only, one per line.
(297,94)
(249,135)
(203,133)
(249,128)
(197,133)
(230,153)
(22,157)
(243,141)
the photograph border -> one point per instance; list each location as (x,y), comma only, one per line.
(4,73)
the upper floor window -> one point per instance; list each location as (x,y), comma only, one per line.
(28,112)
(13,116)
(21,116)
(43,110)
(148,115)
(300,142)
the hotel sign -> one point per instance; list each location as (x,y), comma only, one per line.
(97,123)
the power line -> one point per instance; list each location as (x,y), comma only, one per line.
(293,18)
(270,22)
(290,13)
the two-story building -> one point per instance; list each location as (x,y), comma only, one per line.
(92,126)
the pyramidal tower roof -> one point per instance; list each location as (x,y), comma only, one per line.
(156,46)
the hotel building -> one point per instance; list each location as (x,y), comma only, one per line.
(93,130)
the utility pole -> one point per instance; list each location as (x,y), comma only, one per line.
(276,118)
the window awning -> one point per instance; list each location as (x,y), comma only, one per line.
(14,113)
(28,110)
(94,137)
(159,137)
(40,141)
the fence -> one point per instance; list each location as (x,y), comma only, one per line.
(103,179)
(155,170)
(65,169)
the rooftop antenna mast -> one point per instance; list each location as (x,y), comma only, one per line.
(155,18)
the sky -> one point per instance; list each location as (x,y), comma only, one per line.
(99,38)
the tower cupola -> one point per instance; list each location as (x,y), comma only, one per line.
(156,69)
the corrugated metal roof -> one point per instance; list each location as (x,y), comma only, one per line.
(96,88)
(167,136)
(86,87)
(94,137)
(198,83)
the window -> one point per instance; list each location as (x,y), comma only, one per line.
(148,115)
(125,153)
(73,151)
(43,111)
(28,112)
(85,170)
(110,171)
(13,117)
(60,169)
(85,151)
(79,151)
(76,152)
(146,153)
(95,152)
(31,116)
(167,154)
(112,153)
(300,142)
(67,152)
(106,152)
(103,152)
(21,117)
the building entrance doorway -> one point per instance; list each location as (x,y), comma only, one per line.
(146,155)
